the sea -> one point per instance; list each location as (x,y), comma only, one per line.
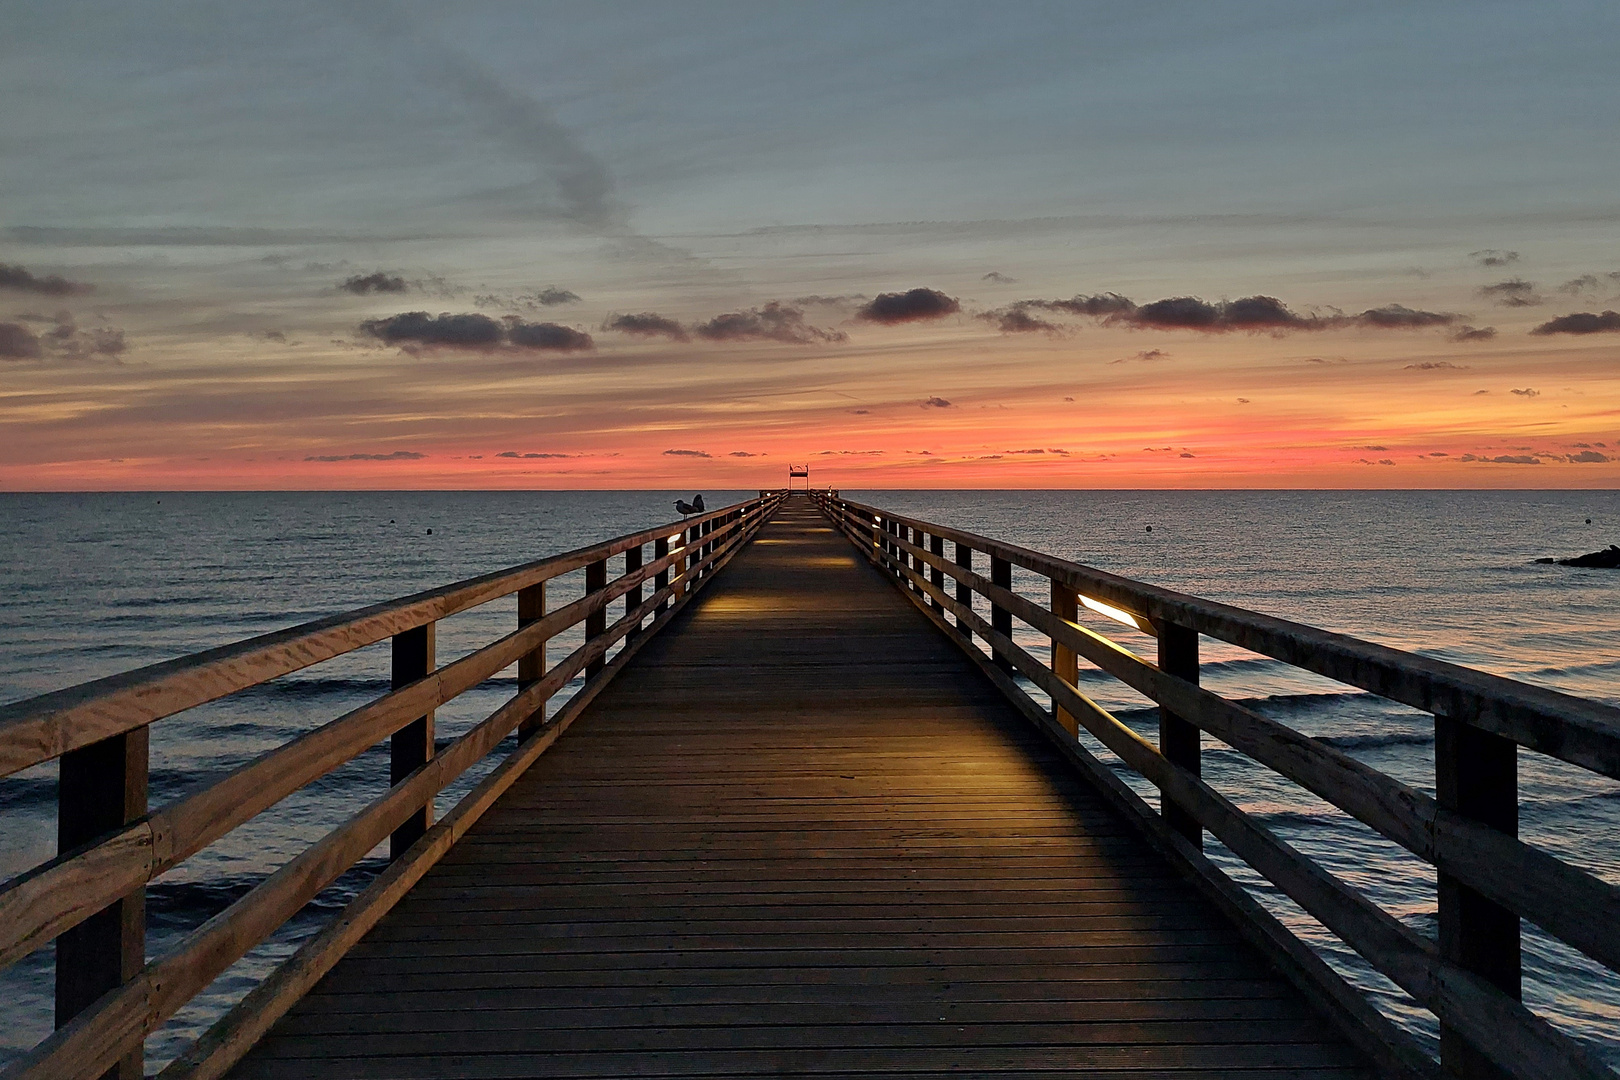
(93,584)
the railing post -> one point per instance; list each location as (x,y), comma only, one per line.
(1065,662)
(532,665)
(1179,740)
(1000,617)
(412,745)
(936,546)
(101,787)
(596,621)
(661,579)
(632,599)
(1476,775)
(964,591)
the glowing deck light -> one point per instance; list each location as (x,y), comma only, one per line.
(1135,622)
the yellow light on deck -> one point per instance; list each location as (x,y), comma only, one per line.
(1135,622)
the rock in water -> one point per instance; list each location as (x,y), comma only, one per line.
(1607,559)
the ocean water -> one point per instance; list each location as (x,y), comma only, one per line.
(98,583)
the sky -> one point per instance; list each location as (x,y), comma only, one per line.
(680,244)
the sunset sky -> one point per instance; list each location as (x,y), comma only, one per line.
(380,245)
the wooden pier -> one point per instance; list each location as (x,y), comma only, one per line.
(801,823)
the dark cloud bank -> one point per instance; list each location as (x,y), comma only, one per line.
(913,305)
(1581,322)
(417,330)
(1254,314)
(19,279)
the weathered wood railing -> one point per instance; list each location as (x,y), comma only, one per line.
(1488,878)
(90,898)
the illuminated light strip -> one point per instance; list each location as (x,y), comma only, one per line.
(1135,622)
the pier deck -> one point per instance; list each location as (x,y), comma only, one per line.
(801,834)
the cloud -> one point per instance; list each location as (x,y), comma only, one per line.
(515,454)
(1380,461)
(1145,356)
(1493,257)
(17,342)
(1097,305)
(472,332)
(773,322)
(1372,447)
(936,403)
(1016,320)
(1584,283)
(1472,333)
(685,453)
(1188,455)
(1436,365)
(1589,456)
(445,331)
(376,282)
(829,301)
(547,336)
(647,324)
(861,412)
(914,305)
(1504,459)
(1526,392)
(64,340)
(1581,322)
(999,278)
(397,455)
(549,297)
(743,453)
(1515,292)
(1190,313)
(1401,317)
(19,279)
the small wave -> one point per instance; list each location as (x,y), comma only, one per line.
(1374,742)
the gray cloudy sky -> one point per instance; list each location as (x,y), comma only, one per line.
(216,171)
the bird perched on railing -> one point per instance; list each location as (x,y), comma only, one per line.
(693,507)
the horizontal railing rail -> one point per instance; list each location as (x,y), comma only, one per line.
(1488,877)
(90,897)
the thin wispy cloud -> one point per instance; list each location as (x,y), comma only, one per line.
(773,322)
(19,279)
(376,282)
(1018,321)
(1515,292)
(647,324)
(1494,257)
(397,455)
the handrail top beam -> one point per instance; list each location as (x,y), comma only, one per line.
(44,727)
(1573,729)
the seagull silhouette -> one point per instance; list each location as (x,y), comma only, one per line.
(693,507)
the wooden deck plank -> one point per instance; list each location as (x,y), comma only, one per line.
(800,834)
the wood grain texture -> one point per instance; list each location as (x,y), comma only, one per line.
(801,834)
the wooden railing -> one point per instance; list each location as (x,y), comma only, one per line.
(90,898)
(1487,878)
